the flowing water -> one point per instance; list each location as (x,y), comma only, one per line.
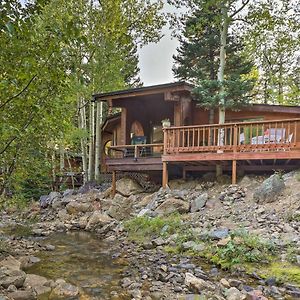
(84,260)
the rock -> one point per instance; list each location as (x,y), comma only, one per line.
(224,242)
(44,201)
(37,283)
(199,202)
(219,234)
(225,283)
(12,288)
(33,280)
(234,294)
(98,219)
(50,247)
(64,289)
(127,186)
(172,205)
(197,284)
(74,207)
(11,277)
(83,221)
(269,190)
(158,242)
(121,207)
(22,295)
(63,215)
(54,195)
(68,192)
(28,261)
(11,263)
(191,245)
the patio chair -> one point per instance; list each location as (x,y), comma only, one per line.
(275,135)
(137,140)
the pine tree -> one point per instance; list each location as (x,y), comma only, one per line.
(198,62)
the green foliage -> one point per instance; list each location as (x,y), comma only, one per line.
(198,61)
(242,247)
(54,53)
(282,271)
(17,202)
(140,228)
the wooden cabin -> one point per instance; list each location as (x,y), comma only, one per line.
(257,137)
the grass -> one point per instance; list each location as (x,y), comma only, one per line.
(143,228)
(283,272)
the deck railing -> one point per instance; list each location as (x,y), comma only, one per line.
(136,151)
(243,136)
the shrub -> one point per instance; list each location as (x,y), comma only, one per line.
(242,247)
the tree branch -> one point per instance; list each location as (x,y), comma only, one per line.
(244,3)
(16,136)
(27,85)
(18,94)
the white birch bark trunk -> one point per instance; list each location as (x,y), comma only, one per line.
(223,42)
(83,140)
(98,139)
(91,141)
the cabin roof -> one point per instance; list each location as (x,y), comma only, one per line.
(153,89)
(275,108)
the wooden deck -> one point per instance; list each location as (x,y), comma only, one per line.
(252,145)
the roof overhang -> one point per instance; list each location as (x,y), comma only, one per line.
(167,89)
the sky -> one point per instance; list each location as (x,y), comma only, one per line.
(156,58)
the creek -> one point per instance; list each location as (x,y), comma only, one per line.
(83,260)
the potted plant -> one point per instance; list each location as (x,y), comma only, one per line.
(166,123)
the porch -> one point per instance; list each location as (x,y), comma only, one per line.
(251,146)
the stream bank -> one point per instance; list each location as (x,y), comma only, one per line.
(171,244)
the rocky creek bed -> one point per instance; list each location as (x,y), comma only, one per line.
(196,240)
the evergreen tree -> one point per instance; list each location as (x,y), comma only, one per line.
(198,62)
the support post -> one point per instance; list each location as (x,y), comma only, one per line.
(234,172)
(114,183)
(165,175)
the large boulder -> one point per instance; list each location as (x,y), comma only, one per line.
(37,283)
(269,190)
(122,207)
(172,205)
(196,284)
(64,290)
(199,202)
(11,263)
(22,295)
(98,219)
(128,186)
(11,277)
(74,207)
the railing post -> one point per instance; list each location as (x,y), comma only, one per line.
(165,140)
(235,143)
(136,152)
(235,138)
